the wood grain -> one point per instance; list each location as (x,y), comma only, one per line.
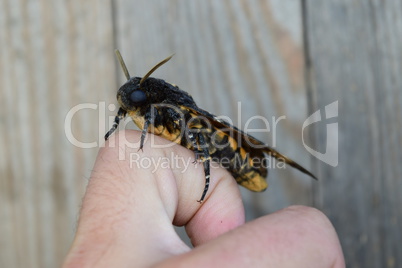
(276,58)
(355,57)
(54,55)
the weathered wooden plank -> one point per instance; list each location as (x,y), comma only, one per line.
(229,52)
(54,55)
(355,58)
(58,54)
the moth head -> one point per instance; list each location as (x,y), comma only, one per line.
(131,96)
(135,93)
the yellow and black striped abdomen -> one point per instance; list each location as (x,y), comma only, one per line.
(246,166)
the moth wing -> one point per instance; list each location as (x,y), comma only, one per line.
(250,143)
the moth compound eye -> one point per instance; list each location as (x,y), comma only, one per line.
(138,96)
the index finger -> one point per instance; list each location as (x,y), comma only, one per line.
(128,209)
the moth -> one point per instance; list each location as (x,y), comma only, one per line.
(163,109)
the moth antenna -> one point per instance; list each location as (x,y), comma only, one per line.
(155,67)
(122,64)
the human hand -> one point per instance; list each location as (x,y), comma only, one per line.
(127,215)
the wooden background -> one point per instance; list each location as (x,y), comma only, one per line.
(276,57)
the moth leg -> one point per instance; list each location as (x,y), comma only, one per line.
(206,162)
(143,135)
(148,119)
(197,157)
(120,115)
(196,150)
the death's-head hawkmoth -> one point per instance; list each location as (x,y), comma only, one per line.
(163,109)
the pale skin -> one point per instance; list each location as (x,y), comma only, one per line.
(127,215)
